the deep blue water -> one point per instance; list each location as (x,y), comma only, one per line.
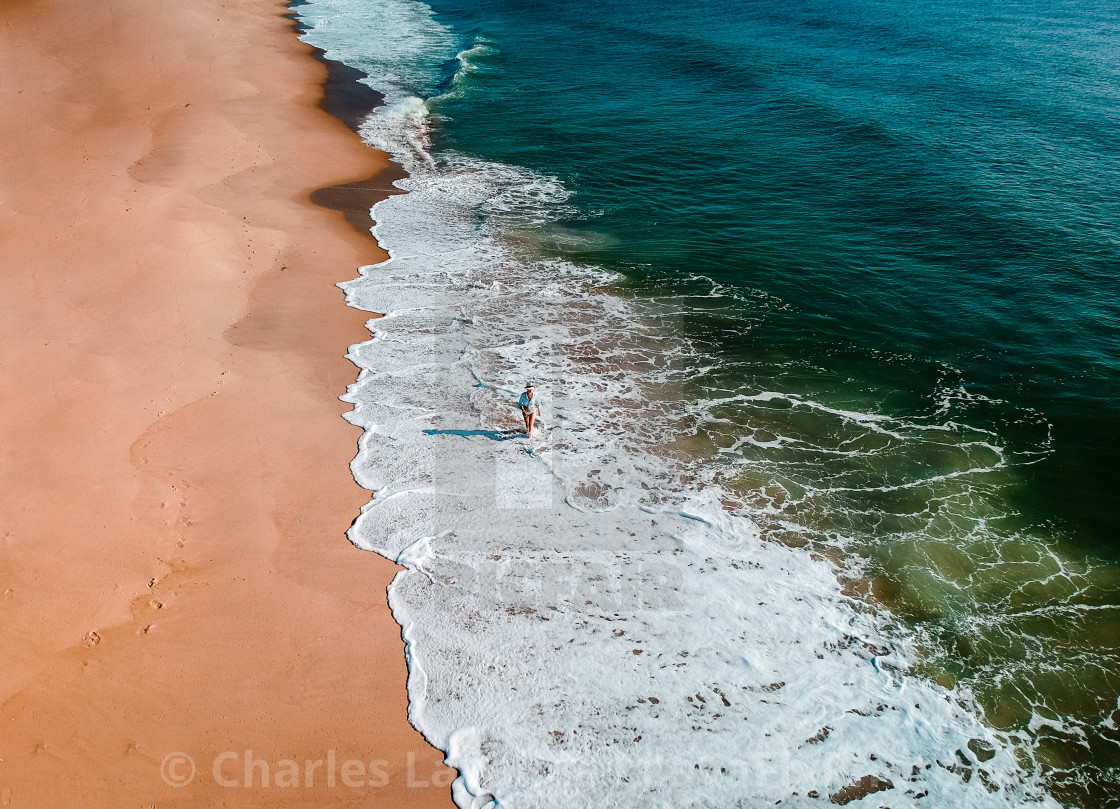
(936,183)
(913,209)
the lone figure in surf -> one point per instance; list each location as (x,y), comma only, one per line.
(530,409)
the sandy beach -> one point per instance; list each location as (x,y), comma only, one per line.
(182,619)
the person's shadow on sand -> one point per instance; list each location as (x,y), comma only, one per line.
(493,435)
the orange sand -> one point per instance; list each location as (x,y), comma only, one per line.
(174,575)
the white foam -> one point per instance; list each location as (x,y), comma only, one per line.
(524,609)
(587,624)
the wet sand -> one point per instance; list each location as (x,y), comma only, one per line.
(174,575)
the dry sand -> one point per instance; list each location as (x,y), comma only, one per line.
(174,575)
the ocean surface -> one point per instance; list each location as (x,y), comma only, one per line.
(822,301)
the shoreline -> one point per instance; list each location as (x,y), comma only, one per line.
(177,579)
(580,580)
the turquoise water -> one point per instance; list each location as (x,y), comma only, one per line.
(916,204)
(918,209)
(894,231)
(934,184)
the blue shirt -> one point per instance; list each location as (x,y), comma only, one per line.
(525,401)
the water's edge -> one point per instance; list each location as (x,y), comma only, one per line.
(480,527)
